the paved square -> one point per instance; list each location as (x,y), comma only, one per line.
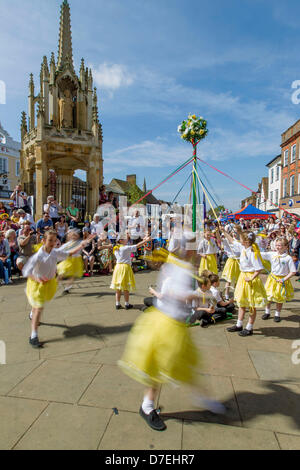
(72,395)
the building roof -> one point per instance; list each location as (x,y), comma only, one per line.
(121,187)
(274,160)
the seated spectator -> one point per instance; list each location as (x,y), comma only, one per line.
(88,255)
(87,227)
(2,208)
(97,226)
(73,215)
(8,225)
(19,198)
(44,224)
(15,217)
(3,219)
(25,217)
(26,242)
(53,208)
(5,263)
(105,255)
(11,237)
(61,228)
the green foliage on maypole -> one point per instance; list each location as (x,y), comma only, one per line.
(193,130)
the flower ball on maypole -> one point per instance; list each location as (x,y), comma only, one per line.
(193,130)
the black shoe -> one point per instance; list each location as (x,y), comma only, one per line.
(277,319)
(153,420)
(235,328)
(128,307)
(35,343)
(119,307)
(246,332)
(204,323)
(266,316)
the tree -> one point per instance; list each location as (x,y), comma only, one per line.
(134,193)
(218,210)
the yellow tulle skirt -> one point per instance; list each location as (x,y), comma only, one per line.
(209,263)
(160,350)
(277,292)
(123,278)
(71,267)
(39,293)
(231,271)
(250,294)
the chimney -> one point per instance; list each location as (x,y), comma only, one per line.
(131,179)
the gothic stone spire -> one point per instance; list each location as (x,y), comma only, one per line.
(65,51)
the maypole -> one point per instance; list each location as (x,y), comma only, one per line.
(193,130)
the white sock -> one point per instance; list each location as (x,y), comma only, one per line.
(68,288)
(126,304)
(249,327)
(147,406)
(118,304)
(267,311)
(34,334)
(277,314)
(212,405)
(239,323)
(30,315)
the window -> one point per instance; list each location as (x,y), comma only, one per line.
(285,187)
(17,168)
(286,157)
(277,172)
(292,185)
(3,166)
(293,153)
(276,196)
(272,176)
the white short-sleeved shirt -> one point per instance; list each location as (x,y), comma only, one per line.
(248,262)
(42,265)
(216,294)
(231,250)
(175,283)
(205,299)
(281,265)
(123,254)
(206,247)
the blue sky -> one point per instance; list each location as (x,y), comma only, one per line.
(154,62)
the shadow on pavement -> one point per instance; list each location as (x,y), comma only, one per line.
(280,401)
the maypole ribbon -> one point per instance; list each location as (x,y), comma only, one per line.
(214,212)
(251,190)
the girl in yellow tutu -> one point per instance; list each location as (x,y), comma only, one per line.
(249,292)
(159,349)
(40,271)
(72,267)
(208,249)
(231,271)
(123,277)
(278,286)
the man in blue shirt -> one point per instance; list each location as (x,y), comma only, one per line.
(44,224)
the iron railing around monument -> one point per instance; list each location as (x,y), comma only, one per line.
(76,191)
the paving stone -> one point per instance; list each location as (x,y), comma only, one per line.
(130,431)
(17,416)
(66,427)
(275,366)
(108,355)
(199,436)
(288,442)
(57,381)
(222,361)
(12,374)
(113,389)
(267,405)
(177,403)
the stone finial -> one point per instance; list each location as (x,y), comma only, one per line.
(24,121)
(31,85)
(90,80)
(65,50)
(95,106)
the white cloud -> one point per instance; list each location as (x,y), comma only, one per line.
(112,76)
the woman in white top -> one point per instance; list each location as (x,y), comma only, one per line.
(231,271)
(40,271)
(249,292)
(278,286)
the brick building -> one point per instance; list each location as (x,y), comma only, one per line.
(290,175)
